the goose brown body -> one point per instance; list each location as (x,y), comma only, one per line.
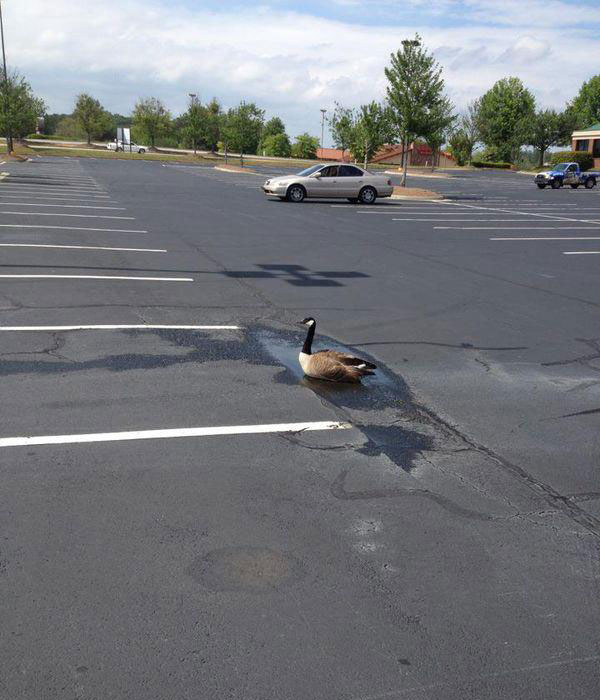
(331,365)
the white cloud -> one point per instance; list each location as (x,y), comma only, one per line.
(290,63)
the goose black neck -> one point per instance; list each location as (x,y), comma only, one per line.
(306,348)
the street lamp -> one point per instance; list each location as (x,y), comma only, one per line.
(9,141)
(322,128)
(193,99)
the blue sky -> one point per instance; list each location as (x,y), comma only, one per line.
(293,57)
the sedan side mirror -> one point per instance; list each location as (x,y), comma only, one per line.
(317,175)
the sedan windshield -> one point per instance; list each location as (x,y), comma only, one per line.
(561,166)
(310,171)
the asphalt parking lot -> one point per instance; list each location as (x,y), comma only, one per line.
(183,515)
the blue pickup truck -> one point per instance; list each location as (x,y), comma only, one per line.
(566,174)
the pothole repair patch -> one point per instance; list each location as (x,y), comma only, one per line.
(250,569)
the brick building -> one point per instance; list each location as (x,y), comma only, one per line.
(588,140)
(419,154)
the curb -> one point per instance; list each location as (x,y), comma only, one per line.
(415,198)
(238,172)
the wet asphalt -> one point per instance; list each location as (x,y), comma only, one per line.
(444,547)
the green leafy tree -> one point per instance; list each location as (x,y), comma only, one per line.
(549,128)
(463,138)
(505,116)
(20,109)
(341,126)
(243,128)
(461,147)
(305,146)
(91,117)
(151,119)
(372,129)
(273,127)
(194,123)
(213,124)
(277,145)
(585,106)
(415,94)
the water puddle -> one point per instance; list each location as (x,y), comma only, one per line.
(382,406)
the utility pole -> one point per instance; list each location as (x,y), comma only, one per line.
(193,98)
(322,128)
(9,141)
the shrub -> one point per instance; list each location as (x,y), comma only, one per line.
(489,164)
(585,160)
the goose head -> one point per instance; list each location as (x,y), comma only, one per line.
(309,321)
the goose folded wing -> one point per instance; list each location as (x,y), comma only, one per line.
(349,360)
(328,367)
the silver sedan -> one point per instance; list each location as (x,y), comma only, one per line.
(344,181)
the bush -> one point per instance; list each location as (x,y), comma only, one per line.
(489,164)
(585,160)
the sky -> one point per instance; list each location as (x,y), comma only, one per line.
(293,58)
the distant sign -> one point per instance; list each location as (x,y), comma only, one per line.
(124,135)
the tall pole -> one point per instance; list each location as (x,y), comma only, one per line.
(322,128)
(9,141)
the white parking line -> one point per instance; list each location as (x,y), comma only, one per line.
(99,277)
(520,228)
(61,206)
(173,433)
(547,238)
(582,252)
(146,326)
(44,189)
(79,216)
(102,200)
(73,228)
(443,218)
(81,247)
(40,195)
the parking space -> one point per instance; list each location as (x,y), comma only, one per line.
(182,511)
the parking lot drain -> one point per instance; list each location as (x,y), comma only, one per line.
(249,569)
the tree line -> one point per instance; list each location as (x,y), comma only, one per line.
(416,108)
(241,129)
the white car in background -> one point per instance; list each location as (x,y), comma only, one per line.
(330,181)
(118,146)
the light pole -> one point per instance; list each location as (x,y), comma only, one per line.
(193,99)
(323,111)
(9,141)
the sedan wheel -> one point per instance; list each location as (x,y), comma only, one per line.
(541,186)
(296,194)
(367,195)
(142,150)
(556,184)
(590,183)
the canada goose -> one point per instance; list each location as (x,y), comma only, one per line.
(331,365)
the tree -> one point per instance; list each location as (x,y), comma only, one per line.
(505,115)
(277,145)
(415,94)
(273,127)
(91,116)
(214,120)
(152,118)
(341,126)
(463,139)
(372,129)
(305,146)
(549,128)
(194,123)
(243,128)
(21,109)
(461,147)
(585,107)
